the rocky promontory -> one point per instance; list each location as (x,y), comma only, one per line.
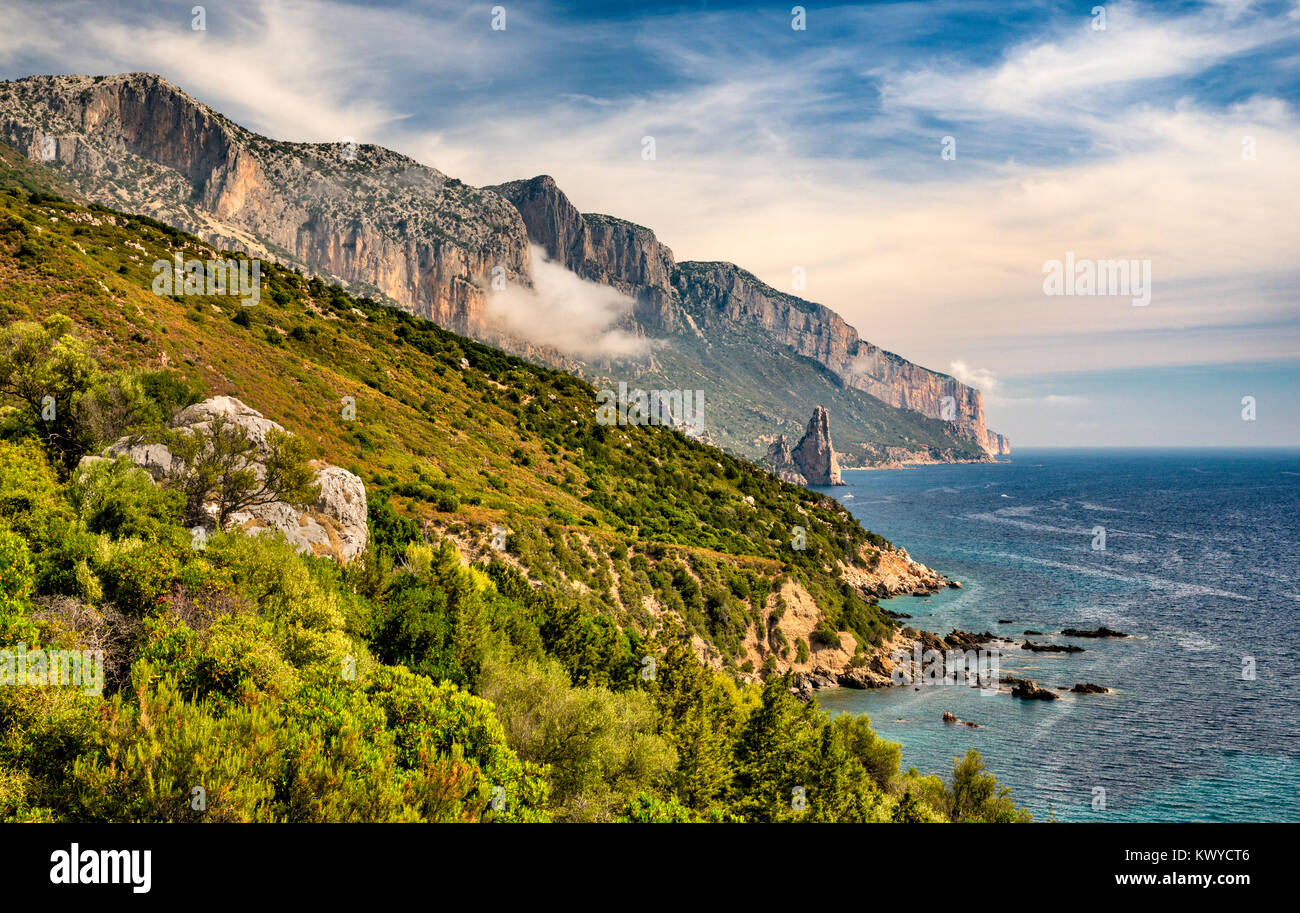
(813,460)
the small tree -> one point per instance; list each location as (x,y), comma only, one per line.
(220,464)
(48,370)
(67,401)
(976,796)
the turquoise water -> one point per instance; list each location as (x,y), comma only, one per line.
(1200,566)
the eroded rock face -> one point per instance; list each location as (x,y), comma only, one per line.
(716,292)
(815,455)
(601,248)
(705,297)
(813,460)
(334,526)
(359,213)
(782,464)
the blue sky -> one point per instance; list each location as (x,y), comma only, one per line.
(821,149)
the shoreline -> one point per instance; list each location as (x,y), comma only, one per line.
(917,464)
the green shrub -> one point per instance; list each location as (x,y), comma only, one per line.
(120,499)
(140,575)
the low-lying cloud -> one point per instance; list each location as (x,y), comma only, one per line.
(564,311)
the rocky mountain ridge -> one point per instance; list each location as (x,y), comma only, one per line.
(360,214)
(387,226)
(703,297)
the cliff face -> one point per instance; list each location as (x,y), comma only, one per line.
(781,462)
(360,214)
(813,460)
(392,228)
(721,296)
(601,248)
(721,292)
(999,444)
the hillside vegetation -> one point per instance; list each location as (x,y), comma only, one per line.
(437,678)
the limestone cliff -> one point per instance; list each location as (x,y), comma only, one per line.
(389,227)
(601,248)
(364,215)
(721,296)
(722,292)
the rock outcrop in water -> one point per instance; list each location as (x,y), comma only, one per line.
(815,454)
(1089,688)
(1103,631)
(1028,689)
(813,460)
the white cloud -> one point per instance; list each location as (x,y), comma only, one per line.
(979,378)
(1079,70)
(988,384)
(565,311)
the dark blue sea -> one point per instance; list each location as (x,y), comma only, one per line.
(1201,566)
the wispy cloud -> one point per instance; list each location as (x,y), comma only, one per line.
(565,311)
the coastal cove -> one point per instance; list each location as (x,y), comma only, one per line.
(1199,568)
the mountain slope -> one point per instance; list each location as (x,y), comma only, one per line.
(636,521)
(389,227)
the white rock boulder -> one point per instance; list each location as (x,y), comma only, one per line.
(333,526)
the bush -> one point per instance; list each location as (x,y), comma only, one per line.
(233,662)
(16,579)
(139,576)
(30,500)
(119,499)
(602,746)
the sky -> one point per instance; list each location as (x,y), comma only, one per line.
(920,164)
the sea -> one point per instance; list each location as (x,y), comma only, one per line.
(1195,554)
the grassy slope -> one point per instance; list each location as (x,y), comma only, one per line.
(638,518)
(751,386)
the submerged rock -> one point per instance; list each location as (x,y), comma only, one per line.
(1103,631)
